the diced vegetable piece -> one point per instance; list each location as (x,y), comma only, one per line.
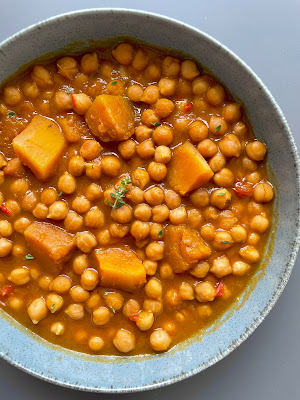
(188,170)
(184,247)
(71,126)
(49,242)
(120,269)
(40,146)
(111,118)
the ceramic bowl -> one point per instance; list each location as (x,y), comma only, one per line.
(22,348)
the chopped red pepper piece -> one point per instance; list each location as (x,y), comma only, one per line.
(243,189)
(188,106)
(6,290)
(134,317)
(220,289)
(4,209)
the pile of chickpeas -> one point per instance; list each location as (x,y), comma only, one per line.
(174,101)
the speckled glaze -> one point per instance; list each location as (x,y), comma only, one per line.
(25,350)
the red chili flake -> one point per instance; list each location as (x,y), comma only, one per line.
(6,290)
(188,106)
(220,289)
(243,189)
(5,210)
(134,317)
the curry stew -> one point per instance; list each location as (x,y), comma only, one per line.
(135,201)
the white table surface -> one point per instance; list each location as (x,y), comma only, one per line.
(266,35)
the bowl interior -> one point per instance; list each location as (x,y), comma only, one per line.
(98,373)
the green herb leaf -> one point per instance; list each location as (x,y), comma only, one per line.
(53,307)
(119,194)
(218,128)
(225,241)
(59,194)
(157,124)
(114,82)
(112,309)
(68,90)
(11,114)
(221,194)
(160,234)
(29,257)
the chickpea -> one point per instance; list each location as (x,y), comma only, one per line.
(5,247)
(15,303)
(6,228)
(149,118)
(90,149)
(198,131)
(207,148)
(19,187)
(75,311)
(146,149)
(153,72)
(67,67)
(58,210)
(200,270)
(167,86)
(93,301)
(200,85)
(114,301)
(263,192)
(131,307)
(160,340)
(61,284)
(153,306)
(157,171)
(44,282)
(164,107)
(205,291)
(249,164)
(189,69)
(29,201)
(150,267)
(253,238)
(66,183)
(123,53)
(162,154)
(145,320)
(172,199)
(160,213)
(250,254)
(101,316)
(12,95)
(19,276)
(80,263)
(111,166)
(256,150)
(93,192)
(89,63)
(57,328)
(30,90)
(240,129)
(217,126)
(140,60)
(259,223)
(238,233)
(63,101)
(124,341)
(230,146)
(156,231)
(171,66)
(76,166)
(232,112)
(48,196)
(89,279)
(85,241)
(207,232)
(240,268)
(143,212)
(153,289)
(155,251)
(216,95)
(150,94)
(186,291)
(217,162)
(21,224)
(221,267)
(127,149)
(81,204)
(135,92)
(178,215)
(13,207)
(166,271)
(140,230)
(18,250)
(143,133)
(118,230)
(103,237)
(154,196)
(96,343)
(54,302)
(204,311)
(37,310)
(163,135)
(224,178)
(211,214)
(222,240)
(194,218)
(78,294)
(40,211)
(94,218)
(80,336)
(123,215)
(255,208)
(140,178)
(34,273)
(73,222)
(220,198)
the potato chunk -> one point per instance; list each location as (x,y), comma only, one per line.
(188,170)
(50,243)
(111,118)
(120,269)
(40,146)
(184,247)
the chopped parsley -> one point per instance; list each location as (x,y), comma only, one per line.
(157,123)
(218,128)
(225,241)
(53,307)
(114,82)
(221,194)
(29,257)
(59,194)
(119,194)
(112,309)
(160,233)
(68,90)
(11,114)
